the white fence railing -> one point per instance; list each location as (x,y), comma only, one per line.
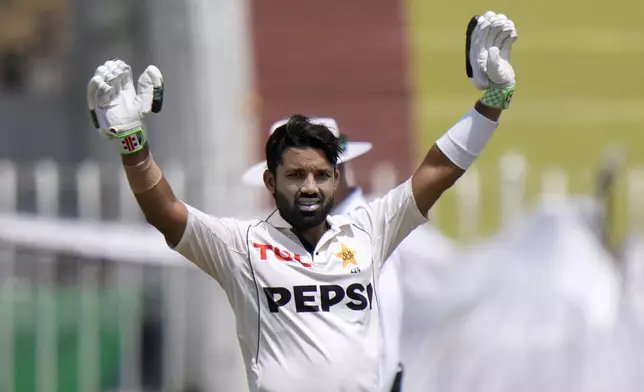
(146,297)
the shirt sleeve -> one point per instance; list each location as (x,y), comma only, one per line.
(215,245)
(388,220)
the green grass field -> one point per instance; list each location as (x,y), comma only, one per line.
(579,89)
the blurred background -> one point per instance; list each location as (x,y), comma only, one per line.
(91,299)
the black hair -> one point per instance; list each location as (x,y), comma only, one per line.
(300,132)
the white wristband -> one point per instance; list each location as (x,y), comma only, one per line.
(464,141)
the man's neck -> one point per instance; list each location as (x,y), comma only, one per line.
(311,236)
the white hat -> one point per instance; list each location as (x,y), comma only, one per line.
(255,174)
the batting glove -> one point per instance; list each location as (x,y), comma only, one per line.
(489,39)
(117,108)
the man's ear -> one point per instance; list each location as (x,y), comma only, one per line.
(269,181)
(336,177)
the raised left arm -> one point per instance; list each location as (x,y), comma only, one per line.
(489,40)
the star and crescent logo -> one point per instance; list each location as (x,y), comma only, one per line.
(347,256)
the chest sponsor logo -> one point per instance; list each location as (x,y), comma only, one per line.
(320,298)
(266,251)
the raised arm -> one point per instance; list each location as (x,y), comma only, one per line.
(154,195)
(489,39)
(216,245)
(117,111)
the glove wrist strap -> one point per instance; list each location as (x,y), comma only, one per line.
(131,141)
(498,98)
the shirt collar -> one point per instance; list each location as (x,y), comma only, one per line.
(276,220)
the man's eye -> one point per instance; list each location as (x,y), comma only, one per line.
(295,175)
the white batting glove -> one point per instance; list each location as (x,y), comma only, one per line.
(117,109)
(489,39)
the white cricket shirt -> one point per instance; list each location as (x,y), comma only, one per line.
(305,321)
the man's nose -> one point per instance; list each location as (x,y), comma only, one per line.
(309,185)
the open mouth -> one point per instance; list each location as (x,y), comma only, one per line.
(308,204)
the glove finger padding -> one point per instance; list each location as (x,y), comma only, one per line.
(498,32)
(150,90)
(468,44)
(494,30)
(125,78)
(111,96)
(92,92)
(482,34)
(494,64)
(117,108)
(485,29)
(489,40)
(506,45)
(504,33)
(489,14)
(100,94)
(476,55)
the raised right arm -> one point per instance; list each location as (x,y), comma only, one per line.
(216,245)
(117,109)
(154,195)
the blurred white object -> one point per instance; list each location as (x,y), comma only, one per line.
(537,308)
(421,274)
(635,192)
(513,171)
(632,255)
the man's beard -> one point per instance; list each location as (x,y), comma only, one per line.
(299,219)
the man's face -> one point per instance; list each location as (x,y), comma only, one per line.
(303,187)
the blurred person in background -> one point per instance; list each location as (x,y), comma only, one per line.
(425,247)
(303,293)
(543,305)
(537,307)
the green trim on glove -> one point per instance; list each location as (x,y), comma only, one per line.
(132,141)
(498,98)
